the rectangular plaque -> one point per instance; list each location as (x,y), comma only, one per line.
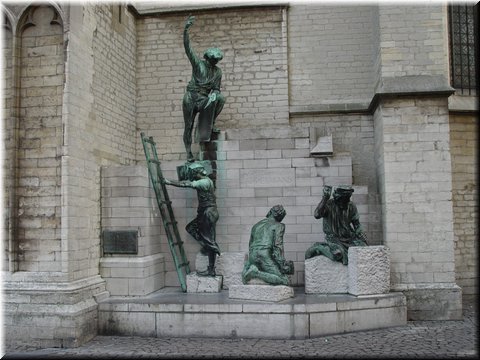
(120,242)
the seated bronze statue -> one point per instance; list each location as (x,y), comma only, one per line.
(341,225)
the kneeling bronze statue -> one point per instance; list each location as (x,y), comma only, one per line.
(265,256)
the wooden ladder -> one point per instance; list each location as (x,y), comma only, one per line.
(175,243)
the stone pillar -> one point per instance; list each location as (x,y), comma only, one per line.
(413,163)
(412,154)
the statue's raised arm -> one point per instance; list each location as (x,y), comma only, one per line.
(186,40)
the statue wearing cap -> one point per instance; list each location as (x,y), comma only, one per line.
(202,228)
(203,95)
(341,225)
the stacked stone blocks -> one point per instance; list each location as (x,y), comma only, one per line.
(257,169)
(129,203)
(367,273)
(464,152)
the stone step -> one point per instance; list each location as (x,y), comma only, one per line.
(171,313)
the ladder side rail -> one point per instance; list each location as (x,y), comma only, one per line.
(172,216)
(157,186)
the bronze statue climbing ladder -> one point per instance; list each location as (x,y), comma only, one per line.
(175,243)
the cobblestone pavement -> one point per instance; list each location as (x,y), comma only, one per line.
(418,339)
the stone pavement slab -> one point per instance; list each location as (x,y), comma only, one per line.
(418,339)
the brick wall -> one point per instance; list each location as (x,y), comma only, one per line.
(413,40)
(254,71)
(330,54)
(414,165)
(99,123)
(8,138)
(40,143)
(353,135)
(464,153)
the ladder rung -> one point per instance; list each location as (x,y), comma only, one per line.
(159,190)
(148,140)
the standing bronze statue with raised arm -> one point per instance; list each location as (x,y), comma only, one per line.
(203,95)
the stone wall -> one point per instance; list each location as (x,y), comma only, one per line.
(354,135)
(413,159)
(330,55)
(99,121)
(8,140)
(412,40)
(39,142)
(464,154)
(254,71)
(74,111)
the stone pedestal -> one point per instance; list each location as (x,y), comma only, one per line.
(324,276)
(229,265)
(133,276)
(260,292)
(203,284)
(368,270)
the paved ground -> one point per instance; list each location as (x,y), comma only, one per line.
(418,339)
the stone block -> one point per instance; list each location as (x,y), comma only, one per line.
(260,292)
(267,178)
(133,276)
(229,265)
(368,270)
(323,147)
(324,276)
(203,284)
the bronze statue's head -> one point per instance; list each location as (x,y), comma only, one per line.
(342,195)
(198,171)
(278,212)
(213,55)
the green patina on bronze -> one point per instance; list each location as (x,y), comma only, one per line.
(203,95)
(202,228)
(265,257)
(341,225)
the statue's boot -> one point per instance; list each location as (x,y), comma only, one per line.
(251,272)
(211,266)
(209,272)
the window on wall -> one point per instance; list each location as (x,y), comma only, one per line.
(463,20)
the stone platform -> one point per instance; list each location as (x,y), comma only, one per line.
(171,313)
(260,292)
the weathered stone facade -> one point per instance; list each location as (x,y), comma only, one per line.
(82,81)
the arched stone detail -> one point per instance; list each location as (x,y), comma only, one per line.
(8,130)
(27,18)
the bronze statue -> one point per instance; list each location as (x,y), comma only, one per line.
(265,257)
(203,92)
(341,225)
(202,228)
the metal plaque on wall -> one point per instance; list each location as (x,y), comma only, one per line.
(120,242)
